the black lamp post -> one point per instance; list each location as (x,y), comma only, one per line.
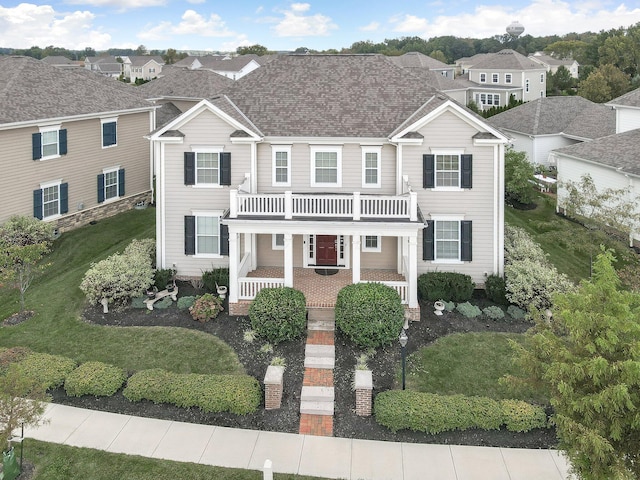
(403,345)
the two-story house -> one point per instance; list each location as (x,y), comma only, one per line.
(230,67)
(552,64)
(145,67)
(498,76)
(106,65)
(318,164)
(424,62)
(72,143)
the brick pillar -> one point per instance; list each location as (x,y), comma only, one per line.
(273,381)
(364,388)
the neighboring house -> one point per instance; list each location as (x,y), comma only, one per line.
(463,64)
(61,62)
(627,108)
(345,162)
(145,67)
(77,156)
(421,61)
(552,64)
(544,124)
(231,67)
(106,65)
(498,76)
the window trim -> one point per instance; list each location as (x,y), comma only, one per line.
(447,218)
(542,78)
(483,77)
(326,149)
(526,85)
(508,78)
(46,129)
(495,78)
(274,241)
(54,183)
(196,151)
(104,121)
(447,151)
(212,214)
(378,151)
(105,171)
(365,248)
(275,149)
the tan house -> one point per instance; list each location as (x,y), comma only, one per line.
(73,147)
(329,164)
(145,67)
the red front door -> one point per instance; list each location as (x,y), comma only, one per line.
(326,250)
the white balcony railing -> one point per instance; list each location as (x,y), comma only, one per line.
(354,206)
(401,287)
(248,287)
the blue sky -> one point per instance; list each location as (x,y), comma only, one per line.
(225,25)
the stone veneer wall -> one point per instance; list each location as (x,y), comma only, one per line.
(105,210)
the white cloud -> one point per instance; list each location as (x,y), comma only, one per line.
(232,45)
(409,23)
(121,4)
(259,9)
(372,27)
(296,24)
(27,25)
(192,24)
(196,2)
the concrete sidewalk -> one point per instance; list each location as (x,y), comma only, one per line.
(326,457)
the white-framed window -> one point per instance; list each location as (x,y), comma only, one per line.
(371,160)
(371,243)
(51,199)
(483,78)
(508,78)
(110,183)
(207,233)
(447,168)
(277,241)
(207,168)
(109,128)
(541,93)
(281,161)
(326,166)
(495,78)
(447,240)
(526,85)
(542,78)
(49,143)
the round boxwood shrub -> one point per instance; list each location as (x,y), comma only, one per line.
(278,314)
(370,314)
(496,289)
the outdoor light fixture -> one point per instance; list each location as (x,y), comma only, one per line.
(403,346)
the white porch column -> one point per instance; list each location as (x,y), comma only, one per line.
(233,203)
(356,205)
(412,274)
(355,258)
(233,267)
(288,260)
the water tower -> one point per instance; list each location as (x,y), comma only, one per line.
(515,29)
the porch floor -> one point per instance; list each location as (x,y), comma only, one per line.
(322,290)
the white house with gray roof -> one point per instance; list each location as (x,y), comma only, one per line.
(72,143)
(106,65)
(145,67)
(228,66)
(316,164)
(552,64)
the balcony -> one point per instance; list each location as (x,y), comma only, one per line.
(350,206)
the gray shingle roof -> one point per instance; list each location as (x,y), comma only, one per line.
(31,90)
(621,151)
(141,60)
(185,83)
(166,113)
(219,62)
(549,60)
(575,116)
(330,96)
(629,99)
(58,60)
(417,60)
(506,59)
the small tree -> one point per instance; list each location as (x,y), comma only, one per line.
(518,173)
(24,241)
(587,357)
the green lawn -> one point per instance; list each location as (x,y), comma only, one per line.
(60,462)
(58,301)
(468,364)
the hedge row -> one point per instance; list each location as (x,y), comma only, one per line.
(450,286)
(94,378)
(239,394)
(431,413)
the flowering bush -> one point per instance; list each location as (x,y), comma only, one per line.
(206,307)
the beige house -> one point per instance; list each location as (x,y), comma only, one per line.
(77,156)
(145,67)
(317,164)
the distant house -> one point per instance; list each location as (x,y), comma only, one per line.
(341,163)
(421,61)
(77,156)
(552,64)
(544,124)
(61,62)
(463,64)
(627,108)
(231,67)
(498,76)
(106,65)
(145,67)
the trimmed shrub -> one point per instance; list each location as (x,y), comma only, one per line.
(370,314)
(449,306)
(521,416)
(162,277)
(206,307)
(278,314)
(239,394)
(165,302)
(9,356)
(493,312)
(218,276)
(186,302)
(516,312)
(94,378)
(496,289)
(138,302)
(468,310)
(450,286)
(48,370)
(144,248)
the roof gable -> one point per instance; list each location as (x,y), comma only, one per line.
(186,83)
(506,59)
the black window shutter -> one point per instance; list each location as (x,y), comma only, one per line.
(225,168)
(37,203)
(189,235)
(189,168)
(36,145)
(62,141)
(121,182)
(224,239)
(64,198)
(428,171)
(101,188)
(466,246)
(427,240)
(467,162)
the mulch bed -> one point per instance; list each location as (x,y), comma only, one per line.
(346,424)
